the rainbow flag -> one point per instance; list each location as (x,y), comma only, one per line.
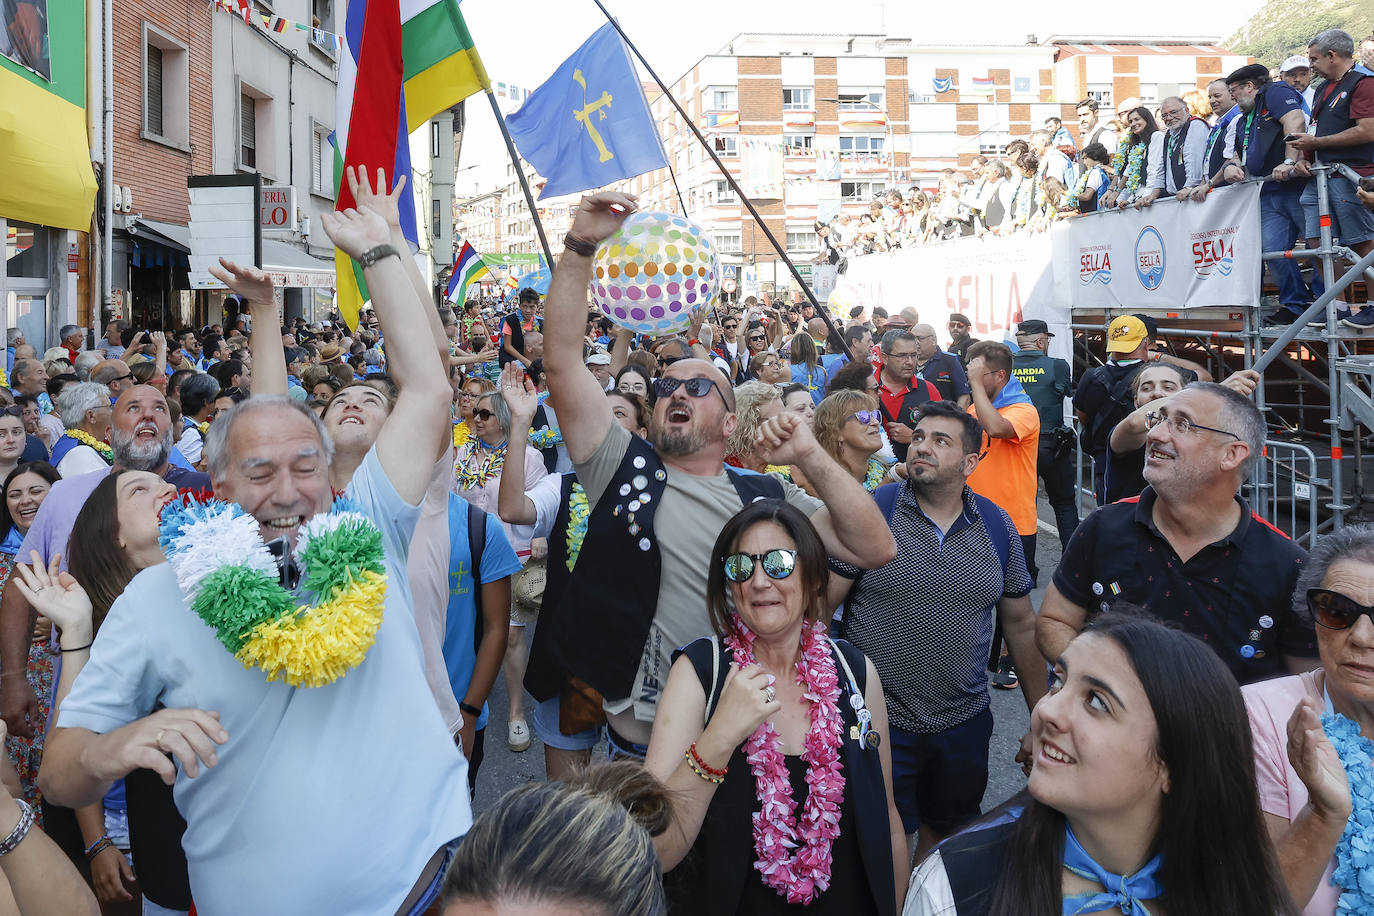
(982,85)
(468,266)
(401,63)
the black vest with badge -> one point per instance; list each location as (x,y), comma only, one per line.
(607,606)
(1174,153)
(1216,148)
(1332,115)
(517,338)
(544,672)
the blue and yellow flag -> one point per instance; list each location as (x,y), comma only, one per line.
(589,124)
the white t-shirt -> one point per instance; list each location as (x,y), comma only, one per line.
(326,799)
(930,893)
(81,459)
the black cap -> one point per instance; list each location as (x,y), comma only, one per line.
(1033,327)
(1250,73)
(1151,326)
(958,317)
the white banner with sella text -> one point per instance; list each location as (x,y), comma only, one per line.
(1169,255)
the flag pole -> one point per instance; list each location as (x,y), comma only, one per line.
(836,340)
(520,174)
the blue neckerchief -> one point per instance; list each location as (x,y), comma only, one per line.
(1353,867)
(12,541)
(1011,393)
(1127,892)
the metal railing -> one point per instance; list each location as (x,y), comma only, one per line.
(1285,489)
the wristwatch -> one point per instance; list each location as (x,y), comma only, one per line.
(1290,162)
(375,254)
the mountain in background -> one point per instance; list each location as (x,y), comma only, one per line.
(1282,28)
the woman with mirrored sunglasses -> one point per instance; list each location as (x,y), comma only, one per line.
(1312,734)
(771,718)
(850,429)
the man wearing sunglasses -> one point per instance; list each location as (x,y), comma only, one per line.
(115,375)
(1188,549)
(638,589)
(959,337)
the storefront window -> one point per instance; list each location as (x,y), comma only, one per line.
(28,313)
(26,251)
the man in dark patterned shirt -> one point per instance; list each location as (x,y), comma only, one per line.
(926,621)
(1188,549)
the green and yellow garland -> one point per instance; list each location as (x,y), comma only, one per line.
(232,582)
(101,448)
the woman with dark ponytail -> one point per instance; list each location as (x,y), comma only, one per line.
(1142,799)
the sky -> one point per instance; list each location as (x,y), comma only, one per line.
(524,41)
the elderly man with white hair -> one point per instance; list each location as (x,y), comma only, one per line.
(1178,154)
(84,408)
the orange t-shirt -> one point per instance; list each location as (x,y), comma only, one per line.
(1006,473)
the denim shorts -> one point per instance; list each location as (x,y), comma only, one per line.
(1351,221)
(431,893)
(545,725)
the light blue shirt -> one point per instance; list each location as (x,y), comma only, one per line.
(325,799)
(498,561)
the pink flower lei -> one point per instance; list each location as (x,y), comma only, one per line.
(802,877)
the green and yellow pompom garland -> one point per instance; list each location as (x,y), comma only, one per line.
(233,584)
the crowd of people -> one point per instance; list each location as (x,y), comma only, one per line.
(769,566)
(1254,123)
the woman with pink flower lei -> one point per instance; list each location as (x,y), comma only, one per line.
(773,740)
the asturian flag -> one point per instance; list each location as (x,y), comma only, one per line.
(402,62)
(589,124)
(468,266)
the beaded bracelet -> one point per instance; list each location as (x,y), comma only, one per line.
(704,765)
(98,847)
(716,780)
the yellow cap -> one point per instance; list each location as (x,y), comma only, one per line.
(1124,334)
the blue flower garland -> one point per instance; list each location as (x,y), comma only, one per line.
(578,513)
(1355,852)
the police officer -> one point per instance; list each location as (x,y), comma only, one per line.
(1047,381)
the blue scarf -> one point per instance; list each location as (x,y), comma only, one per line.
(1354,868)
(1124,891)
(1011,393)
(12,542)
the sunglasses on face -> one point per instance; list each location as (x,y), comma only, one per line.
(957,324)
(697,387)
(1334,610)
(483,414)
(866,416)
(730,326)
(777,563)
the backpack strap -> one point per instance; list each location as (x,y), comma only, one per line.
(477,543)
(886,498)
(996,525)
(717,682)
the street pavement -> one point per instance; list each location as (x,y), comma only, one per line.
(503,770)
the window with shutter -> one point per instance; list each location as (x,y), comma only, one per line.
(248,131)
(152,114)
(317,161)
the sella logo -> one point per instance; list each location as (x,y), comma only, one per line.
(1149,258)
(1094,266)
(1214,256)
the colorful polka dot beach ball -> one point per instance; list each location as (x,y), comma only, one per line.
(655,273)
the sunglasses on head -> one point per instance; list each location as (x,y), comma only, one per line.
(865,416)
(1334,610)
(483,414)
(777,563)
(12,412)
(666,361)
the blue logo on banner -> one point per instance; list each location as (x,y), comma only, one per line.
(1149,258)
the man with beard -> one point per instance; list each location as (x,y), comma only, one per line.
(926,620)
(656,507)
(141,435)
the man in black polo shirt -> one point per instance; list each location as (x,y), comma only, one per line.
(941,369)
(1188,549)
(900,391)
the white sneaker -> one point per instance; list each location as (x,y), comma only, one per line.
(518,736)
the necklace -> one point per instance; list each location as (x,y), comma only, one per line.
(232,582)
(85,438)
(478,463)
(803,875)
(1354,870)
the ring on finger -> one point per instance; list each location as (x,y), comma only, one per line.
(769,694)
(158,739)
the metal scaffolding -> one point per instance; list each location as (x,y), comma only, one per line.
(1293,475)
